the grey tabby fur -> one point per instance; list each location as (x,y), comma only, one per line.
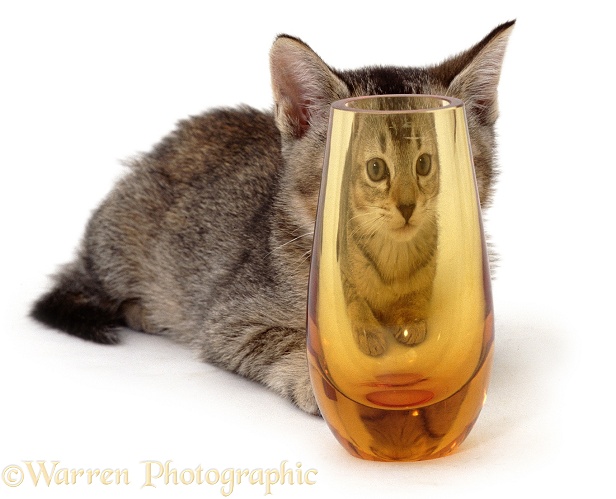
(207,239)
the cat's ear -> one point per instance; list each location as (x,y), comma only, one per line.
(473,75)
(303,85)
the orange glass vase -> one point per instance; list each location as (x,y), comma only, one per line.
(400,320)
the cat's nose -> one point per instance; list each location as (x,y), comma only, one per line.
(406,210)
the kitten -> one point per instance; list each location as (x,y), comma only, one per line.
(388,230)
(207,239)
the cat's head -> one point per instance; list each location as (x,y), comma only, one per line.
(393,165)
(304,87)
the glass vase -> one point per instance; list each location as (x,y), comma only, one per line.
(400,320)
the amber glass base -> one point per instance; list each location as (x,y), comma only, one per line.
(426,432)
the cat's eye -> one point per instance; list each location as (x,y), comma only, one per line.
(423,165)
(377,169)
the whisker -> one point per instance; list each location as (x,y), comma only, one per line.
(289,242)
(303,258)
(364,214)
(368,229)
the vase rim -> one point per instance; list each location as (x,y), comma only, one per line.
(347,104)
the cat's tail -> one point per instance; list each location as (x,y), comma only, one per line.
(78,305)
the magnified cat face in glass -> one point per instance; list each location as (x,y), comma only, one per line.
(388,232)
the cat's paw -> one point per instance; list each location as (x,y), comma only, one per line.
(413,333)
(303,396)
(302,393)
(290,378)
(372,343)
(136,318)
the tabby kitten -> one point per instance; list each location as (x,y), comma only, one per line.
(207,239)
(388,231)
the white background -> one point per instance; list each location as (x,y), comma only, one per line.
(83,87)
